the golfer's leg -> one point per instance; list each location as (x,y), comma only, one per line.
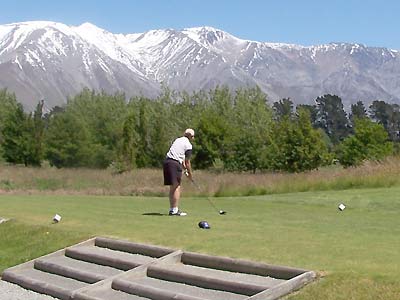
(174,195)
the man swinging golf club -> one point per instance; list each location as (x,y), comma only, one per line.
(177,159)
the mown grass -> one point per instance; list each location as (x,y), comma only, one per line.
(21,242)
(356,250)
(149,182)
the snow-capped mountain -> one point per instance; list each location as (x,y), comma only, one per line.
(53,61)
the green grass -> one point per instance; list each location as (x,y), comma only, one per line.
(356,250)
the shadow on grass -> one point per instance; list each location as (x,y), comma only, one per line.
(154,214)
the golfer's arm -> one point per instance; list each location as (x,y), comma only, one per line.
(188,167)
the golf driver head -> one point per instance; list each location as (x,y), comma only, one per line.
(204,225)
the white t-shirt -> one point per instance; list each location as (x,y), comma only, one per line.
(178,149)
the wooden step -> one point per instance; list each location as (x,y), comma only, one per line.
(76,269)
(107,269)
(44,283)
(107,257)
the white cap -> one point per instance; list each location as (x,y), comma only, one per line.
(189,131)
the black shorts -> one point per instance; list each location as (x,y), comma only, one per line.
(172,171)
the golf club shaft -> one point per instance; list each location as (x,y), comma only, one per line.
(208,198)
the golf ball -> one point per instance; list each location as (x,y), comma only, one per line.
(341,206)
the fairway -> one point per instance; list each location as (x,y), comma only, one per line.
(356,250)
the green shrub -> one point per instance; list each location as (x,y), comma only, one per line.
(370,142)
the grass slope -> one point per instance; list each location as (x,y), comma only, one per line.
(356,250)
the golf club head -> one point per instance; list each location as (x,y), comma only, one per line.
(222,212)
(204,225)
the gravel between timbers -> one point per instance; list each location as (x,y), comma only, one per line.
(9,291)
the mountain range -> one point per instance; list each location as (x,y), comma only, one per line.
(53,61)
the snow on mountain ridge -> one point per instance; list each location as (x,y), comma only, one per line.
(70,57)
(278,46)
(14,35)
(150,39)
(134,44)
(113,45)
(206,35)
(4,30)
(129,47)
(213,38)
(158,49)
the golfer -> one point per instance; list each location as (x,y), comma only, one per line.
(177,160)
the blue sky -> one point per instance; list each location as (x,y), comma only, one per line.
(307,22)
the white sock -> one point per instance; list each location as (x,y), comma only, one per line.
(174,209)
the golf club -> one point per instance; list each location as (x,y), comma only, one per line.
(221,212)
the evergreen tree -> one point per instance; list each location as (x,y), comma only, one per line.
(102,115)
(156,125)
(283,108)
(8,105)
(358,111)
(332,118)
(18,139)
(38,134)
(387,115)
(380,112)
(213,128)
(250,130)
(67,142)
(210,143)
(143,129)
(312,110)
(182,105)
(129,143)
(162,131)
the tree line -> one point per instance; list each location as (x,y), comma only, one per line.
(235,130)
